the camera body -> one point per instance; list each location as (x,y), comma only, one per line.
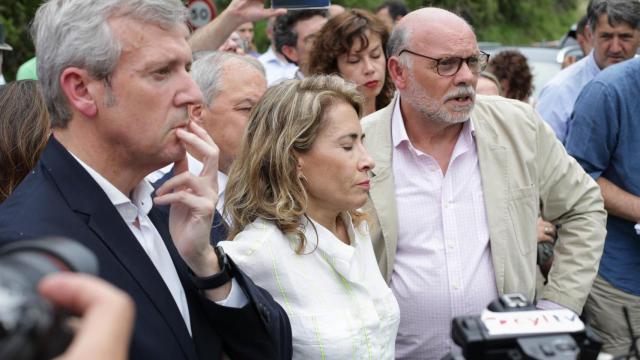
(30,327)
(512,328)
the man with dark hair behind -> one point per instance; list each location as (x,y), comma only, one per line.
(391,11)
(614,27)
(583,35)
(293,35)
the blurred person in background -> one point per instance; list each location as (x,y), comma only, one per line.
(513,72)
(582,34)
(488,84)
(234,44)
(275,64)
(352,45)
(211,36)
(246,32)
(24,130)
(615,29)
(3,47)
(293,196)
(28,70)
(294,35)
(391,11)
(335,9)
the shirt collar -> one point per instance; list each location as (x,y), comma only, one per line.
(337,254)
(140,202)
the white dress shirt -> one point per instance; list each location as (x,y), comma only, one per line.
(146,233)
(276,69)
(337,301)
(443,265)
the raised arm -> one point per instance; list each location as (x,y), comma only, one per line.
(214,34)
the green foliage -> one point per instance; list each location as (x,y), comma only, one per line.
(16,18)
(505,21)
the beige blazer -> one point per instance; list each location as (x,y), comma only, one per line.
(525,171)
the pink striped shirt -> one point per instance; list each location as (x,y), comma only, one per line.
(443,264)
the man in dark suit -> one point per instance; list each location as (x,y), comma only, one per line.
(115,79)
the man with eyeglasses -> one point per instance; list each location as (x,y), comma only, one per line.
(458,185)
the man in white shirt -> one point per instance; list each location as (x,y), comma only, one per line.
(275,64)
(457,188)
(118,90)
(231,86)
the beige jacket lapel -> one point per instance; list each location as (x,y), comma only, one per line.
(382,198)
(493,162)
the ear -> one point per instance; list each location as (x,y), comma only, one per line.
(195,113)
(398,72)
(77,85)
(299,162)
(290,53)
(504,84)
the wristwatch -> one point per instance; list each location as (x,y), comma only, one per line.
(219,279)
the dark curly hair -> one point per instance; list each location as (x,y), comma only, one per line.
(337,37)
(511,66)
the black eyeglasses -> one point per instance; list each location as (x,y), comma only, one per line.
(449,66)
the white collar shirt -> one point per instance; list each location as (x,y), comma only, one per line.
(138,207)
(443,265)
(276,69)
(337,301)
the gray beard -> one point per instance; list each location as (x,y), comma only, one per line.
(433,110)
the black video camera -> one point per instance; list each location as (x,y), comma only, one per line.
(512,328)
(30,327)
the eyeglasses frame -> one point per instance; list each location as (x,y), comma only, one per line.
(437,60)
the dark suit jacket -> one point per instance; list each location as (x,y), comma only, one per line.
(60,198)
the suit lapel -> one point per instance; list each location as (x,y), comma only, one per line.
(85,196)
(493,162)
(379,144)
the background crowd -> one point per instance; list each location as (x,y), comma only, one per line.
(344,194)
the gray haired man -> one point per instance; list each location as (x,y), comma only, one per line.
(116,82)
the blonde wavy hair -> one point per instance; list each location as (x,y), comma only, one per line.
(263,180)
